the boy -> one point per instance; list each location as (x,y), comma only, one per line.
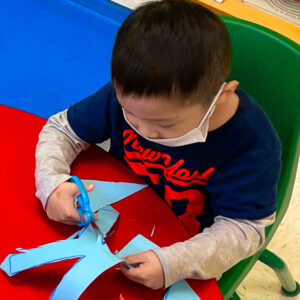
(203,145)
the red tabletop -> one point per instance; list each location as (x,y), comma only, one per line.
(25,224)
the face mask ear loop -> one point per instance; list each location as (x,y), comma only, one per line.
(211,107)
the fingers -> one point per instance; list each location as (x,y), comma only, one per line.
(74,217)
(135,258)
(133,274)
(68,215)
(75,190)
(61,203)
(148,270)
(131,266)
(89,187)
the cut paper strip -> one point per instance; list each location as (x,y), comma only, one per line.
(106,192)
(21,250)
(84,272)
(87,241)
(107,216)
(180,290)
(88,246)
(152,232)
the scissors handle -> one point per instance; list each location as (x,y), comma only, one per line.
(82,203)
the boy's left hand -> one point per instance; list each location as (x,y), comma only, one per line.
(150,271)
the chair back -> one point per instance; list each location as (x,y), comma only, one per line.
(267,65)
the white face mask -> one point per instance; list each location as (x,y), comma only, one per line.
(195,135)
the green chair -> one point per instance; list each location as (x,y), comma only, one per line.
(267,66)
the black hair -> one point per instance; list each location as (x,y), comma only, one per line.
(171,48)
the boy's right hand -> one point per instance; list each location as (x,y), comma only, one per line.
(60,205)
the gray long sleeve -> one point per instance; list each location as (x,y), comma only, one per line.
(57,147)
(206,255)
(214,251)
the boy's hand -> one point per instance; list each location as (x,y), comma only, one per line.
(149,272)
(60,205)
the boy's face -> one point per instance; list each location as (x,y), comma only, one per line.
(162,118)
(159,118)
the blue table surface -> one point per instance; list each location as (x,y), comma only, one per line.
(55,53)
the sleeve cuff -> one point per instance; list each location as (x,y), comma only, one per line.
(172,263)
(43,193)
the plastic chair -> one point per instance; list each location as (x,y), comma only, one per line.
(267,66)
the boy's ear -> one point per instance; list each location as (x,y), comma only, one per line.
(228,89)
(230,86)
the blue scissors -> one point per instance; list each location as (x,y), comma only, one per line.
(82,203)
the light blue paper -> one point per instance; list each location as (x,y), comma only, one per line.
(88,246)
(84,272)
(181,290)
(95,256)
(136,245)
(106,192)
(107,216)
(52,252)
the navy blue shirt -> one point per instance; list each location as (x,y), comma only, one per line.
(234,173)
